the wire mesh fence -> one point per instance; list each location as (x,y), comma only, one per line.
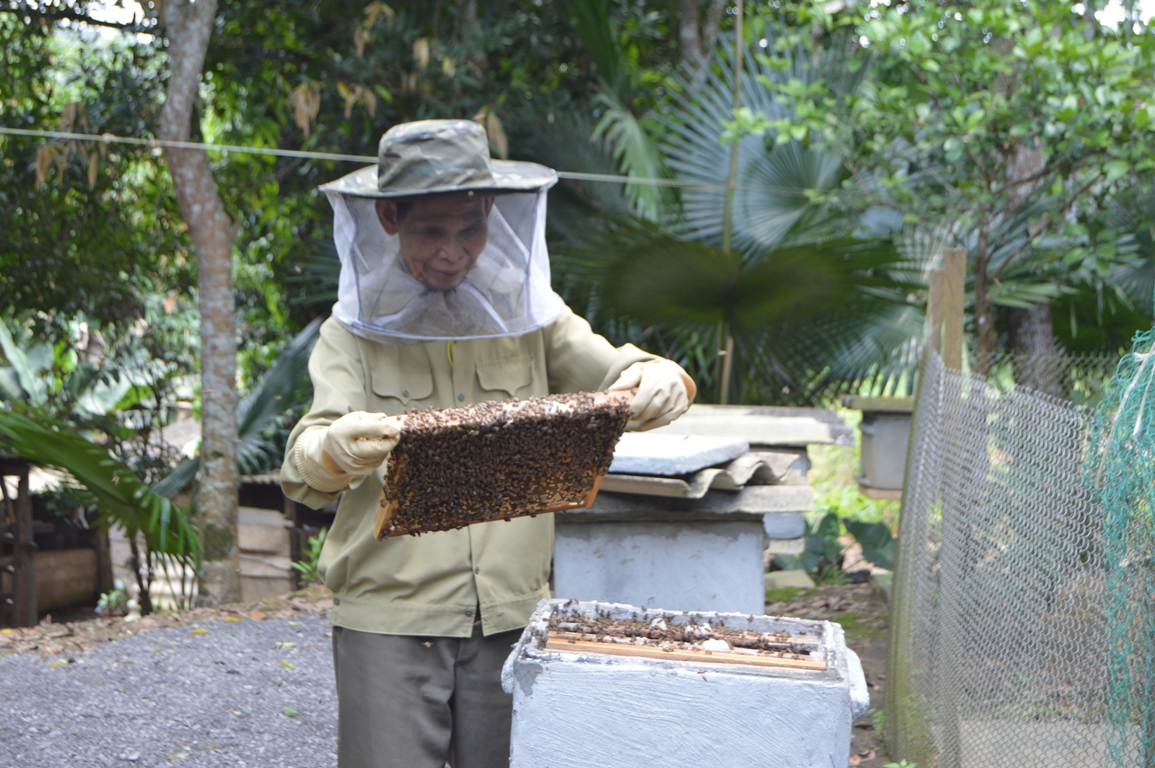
(999,645)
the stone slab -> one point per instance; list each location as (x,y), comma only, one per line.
(647,453)
(793,579)
(259,516)
(784,547)
(263,539)
(751,500)
(763,425)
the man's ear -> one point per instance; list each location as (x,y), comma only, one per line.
(387,215)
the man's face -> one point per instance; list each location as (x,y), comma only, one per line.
(441,237)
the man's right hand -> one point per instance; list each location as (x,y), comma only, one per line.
(356,444)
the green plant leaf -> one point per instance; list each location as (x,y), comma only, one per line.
(120,495)
(878,546)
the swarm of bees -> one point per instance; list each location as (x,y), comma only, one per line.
(499,460)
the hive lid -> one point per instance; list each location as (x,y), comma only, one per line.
(763,425)
(646,453)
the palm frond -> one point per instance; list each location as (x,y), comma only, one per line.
(771,193)
(121,497)
(636,154)
(275,393)
(649,274)
(592,23)
(280,390)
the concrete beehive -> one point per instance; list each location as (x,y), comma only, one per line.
(582,706)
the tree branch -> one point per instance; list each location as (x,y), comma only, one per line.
(54,14)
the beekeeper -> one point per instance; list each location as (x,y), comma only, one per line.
(444,300)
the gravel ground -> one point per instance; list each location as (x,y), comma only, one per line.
(236,692)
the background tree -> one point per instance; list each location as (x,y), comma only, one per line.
(187,26)
(975,114)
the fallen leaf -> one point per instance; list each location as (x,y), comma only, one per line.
(198,632)
(233,619)
(177,756)
(286,664)
(294,624)
(290,712)
(286,644)
(257,616)
(7,631)
(55,664)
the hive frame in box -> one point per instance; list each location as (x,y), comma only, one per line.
(700,711)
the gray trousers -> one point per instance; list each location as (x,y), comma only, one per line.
(418,702)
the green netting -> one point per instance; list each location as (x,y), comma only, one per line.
(1120,473)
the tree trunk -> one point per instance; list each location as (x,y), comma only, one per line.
(1032,343)
(984,314)
(1031,332)
(188,26)
(697,39)
(688,37)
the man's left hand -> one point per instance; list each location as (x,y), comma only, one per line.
(665,391)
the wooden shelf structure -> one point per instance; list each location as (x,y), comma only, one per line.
(18,596)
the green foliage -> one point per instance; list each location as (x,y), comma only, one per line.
(88,226)
(122,498)
(282,390)
(308,567)
(669,285)
(115,602)
(878,545)
(980,79)
(973,110)
(822,557)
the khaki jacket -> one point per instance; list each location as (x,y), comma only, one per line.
(432,584)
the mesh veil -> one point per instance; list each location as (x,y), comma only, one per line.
(507,293)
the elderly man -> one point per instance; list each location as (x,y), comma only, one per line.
(444,300)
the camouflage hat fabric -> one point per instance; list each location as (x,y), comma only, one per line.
(431,157)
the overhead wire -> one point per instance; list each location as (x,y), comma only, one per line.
(110,138)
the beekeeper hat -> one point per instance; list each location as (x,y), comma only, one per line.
(431,157)
(506,293)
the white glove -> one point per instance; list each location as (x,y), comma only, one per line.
(351,447)
(358,442)
(664,392)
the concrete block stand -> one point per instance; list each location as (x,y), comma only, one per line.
(576,710)
(684,554)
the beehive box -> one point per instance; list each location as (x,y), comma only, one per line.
(499,460)
(629,705)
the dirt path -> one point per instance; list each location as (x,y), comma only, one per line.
(253,684)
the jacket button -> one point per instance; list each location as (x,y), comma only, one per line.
(336,601)
(405,393)
(477,570)
(468,611)
(461,397)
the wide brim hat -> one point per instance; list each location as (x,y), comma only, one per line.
(432,157)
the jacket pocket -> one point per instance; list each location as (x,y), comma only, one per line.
(391,380)
(506,377)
